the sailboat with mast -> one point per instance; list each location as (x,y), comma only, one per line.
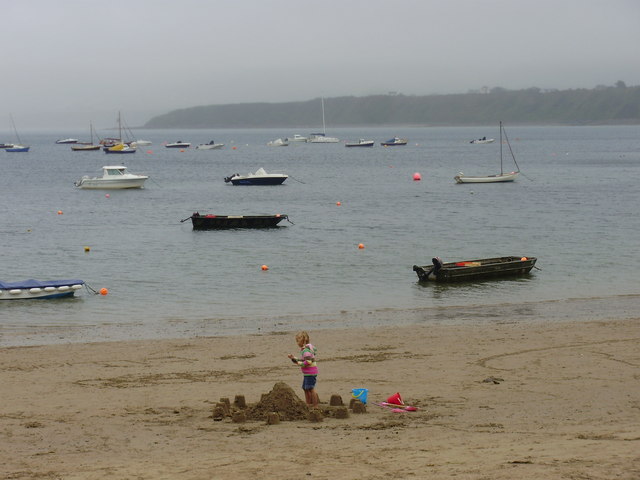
(16,147)
(502,176)
(322,137)
(86,147)
(117,145)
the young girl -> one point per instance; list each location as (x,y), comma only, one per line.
(307,362)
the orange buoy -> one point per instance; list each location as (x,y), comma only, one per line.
(103,291)
(417,177)
(524,259)
(106,195)
(59,212)
(233,148)
(264,268)
(338,203)
(149,152)
(361,246)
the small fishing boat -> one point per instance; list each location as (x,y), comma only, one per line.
(65,141)
(261,177)
(470,270)
(220,222)
(395,141)
(360,143)
(114,177)
(178,144)
(210,146)
(482,141)
(29,289)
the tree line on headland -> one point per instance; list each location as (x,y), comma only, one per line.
(602,105)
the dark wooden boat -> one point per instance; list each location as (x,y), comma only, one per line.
(219,222)
(470,270)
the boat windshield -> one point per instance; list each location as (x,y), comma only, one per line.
(115,171)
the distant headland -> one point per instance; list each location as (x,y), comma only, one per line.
(602,105)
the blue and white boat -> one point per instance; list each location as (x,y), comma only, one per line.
(30,289)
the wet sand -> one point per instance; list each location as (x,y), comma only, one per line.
(500,401)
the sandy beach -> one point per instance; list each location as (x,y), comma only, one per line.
(498,401)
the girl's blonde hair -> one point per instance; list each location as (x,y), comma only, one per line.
(304,336)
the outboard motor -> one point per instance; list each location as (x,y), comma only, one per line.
(437,264)
(228,179)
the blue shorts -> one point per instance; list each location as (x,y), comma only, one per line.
(309,382)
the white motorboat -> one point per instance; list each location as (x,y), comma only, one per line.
(278,143)
(499,177)
(64,141)
(178,144)
(114,177)
(138,143)
(210,146)
(296,138)
(360,143)
(28,289)
(261,177)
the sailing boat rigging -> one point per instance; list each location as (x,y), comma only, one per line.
(502,176)
(322,137)
(117,145)
(16,147)
(86,147)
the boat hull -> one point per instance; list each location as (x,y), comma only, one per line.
(259,180)
(85,148)
(100,184)
(214,146)
(222,222)
(34,289)
(16,148)
(502,177)
(471,270)
(360,144)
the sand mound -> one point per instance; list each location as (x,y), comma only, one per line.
(280,399)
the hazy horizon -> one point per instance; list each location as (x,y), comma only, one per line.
(74,61)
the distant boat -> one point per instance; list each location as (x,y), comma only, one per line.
(117,145)
(278,143)
(210,146)
(221,222)
(261,177)
(86,147)
(483,140)
(178,144)
(296,138)
(114,177)
(500,177)
(395,141)
(322,137)
(64,141)
(16,147)
(360,143)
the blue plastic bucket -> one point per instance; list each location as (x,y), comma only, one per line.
(360,394)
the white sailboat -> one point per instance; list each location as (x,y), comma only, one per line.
(322,137)
(16,147)
(501,177)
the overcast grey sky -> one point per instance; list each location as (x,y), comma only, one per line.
(66,62)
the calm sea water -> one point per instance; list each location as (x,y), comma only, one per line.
(574,207)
